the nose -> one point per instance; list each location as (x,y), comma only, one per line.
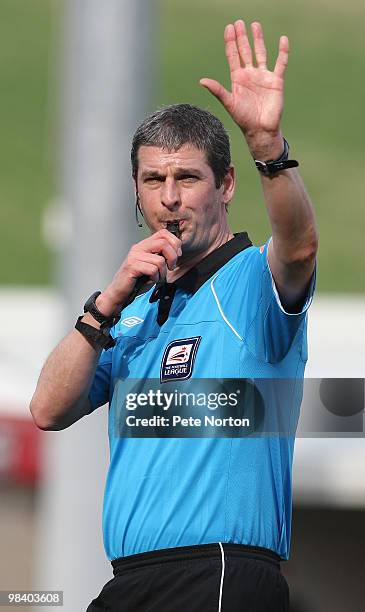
(170,196)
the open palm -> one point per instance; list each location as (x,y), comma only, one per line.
(256,99)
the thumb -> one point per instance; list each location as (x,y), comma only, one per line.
(217,90)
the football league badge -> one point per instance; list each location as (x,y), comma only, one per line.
(178,359)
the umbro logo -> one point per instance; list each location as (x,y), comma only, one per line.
(131,321)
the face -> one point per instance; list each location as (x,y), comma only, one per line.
(180,186)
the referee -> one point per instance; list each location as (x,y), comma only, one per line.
(198,523)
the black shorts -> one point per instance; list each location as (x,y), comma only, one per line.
(205,578)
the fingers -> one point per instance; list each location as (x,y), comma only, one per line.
(154,242)
(259,45)
(150,257)
(243,44)
(231,49)
(283,57)
(239,52)
(169,254)
(217,90)
(161,243)
(141,263)
(150,265)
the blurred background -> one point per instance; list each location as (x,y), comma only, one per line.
(76,77)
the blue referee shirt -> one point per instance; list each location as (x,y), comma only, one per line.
(169,492)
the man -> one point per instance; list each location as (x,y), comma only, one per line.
(197,523)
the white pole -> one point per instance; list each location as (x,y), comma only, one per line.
(105,92)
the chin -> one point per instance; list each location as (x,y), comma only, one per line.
(186,240)
(189,248)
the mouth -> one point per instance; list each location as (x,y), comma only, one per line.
(175,226)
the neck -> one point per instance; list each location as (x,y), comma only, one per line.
(186,263)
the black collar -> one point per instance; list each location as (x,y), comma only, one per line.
(194,278)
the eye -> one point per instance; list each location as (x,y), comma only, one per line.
(189,178)
(154,179)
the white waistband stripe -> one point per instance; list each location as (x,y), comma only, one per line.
(222,578)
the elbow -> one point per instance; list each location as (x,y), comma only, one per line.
(40,417)
(298,253)
(57,419)
(304,256)
(307,256)
(312,247)
(307,250)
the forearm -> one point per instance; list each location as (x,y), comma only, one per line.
(61,395)
(288,205)
(291,216)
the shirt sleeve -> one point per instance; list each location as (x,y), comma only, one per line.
(251,305)
(100,387)
(271,332)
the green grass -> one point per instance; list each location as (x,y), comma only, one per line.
(26,178)
(323,119)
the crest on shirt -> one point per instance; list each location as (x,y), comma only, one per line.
(178,359)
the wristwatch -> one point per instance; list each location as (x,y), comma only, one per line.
(271,167)
(98,338)
(104,320)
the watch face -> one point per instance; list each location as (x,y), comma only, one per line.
(91,307)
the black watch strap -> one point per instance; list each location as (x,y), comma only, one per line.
(271,167)
(91,307)
(98,338)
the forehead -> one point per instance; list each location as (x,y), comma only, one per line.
(150,157)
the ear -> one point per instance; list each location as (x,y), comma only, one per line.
(228,186)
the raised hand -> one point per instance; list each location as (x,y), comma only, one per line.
(256,99)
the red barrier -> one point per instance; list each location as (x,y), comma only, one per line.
(20,446)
